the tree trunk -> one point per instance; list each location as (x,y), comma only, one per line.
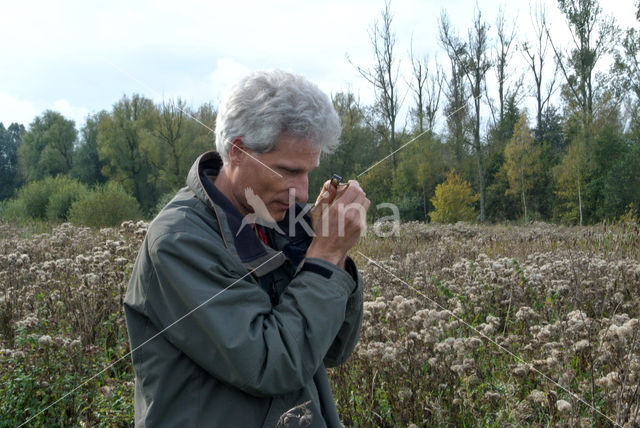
(580,200)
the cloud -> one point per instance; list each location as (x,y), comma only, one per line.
(13,109)
(77,114)
(227,72)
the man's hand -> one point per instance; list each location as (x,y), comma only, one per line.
(338,218)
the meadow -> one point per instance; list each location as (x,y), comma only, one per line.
(464,325)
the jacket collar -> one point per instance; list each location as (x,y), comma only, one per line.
(243,241)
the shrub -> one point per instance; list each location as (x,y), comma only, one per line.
(50,198)
(107,205)
(66,192)
(34,197)
(453,200)
(12,210)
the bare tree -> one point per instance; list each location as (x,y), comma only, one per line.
(506,38)
(472,57)
(427,88)
(384,77)
(536,55)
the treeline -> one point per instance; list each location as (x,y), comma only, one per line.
(136,154)
(573,157)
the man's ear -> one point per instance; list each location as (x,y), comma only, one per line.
(237,151)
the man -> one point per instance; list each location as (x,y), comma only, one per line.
(232,324)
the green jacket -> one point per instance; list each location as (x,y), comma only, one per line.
(226,331)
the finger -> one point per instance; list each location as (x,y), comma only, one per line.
(351,192)
(327,194)
(342,187)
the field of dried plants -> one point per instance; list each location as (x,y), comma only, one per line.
(464,325)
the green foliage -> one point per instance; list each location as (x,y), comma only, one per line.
(175,142)
(501,204)
(357,150)
(121,136)
(10,140)
(622,184)
(67,191)
(34,197)
(569,178)
(47,147)
(522,163)
(12,210)
(627,59)
(50,199)
(378,182)
(453,200)
(107,205)
(421,167)
(87,166)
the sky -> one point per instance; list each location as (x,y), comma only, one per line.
(80,57)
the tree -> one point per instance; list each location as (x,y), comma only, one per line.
(622,182)
(472,56)
(626,70)
(500,205)
(359,146)
(204,133)
(522,161)
(593,36)
(120,137)
(421,168)
(378,182)
(569,177)
(609,148)
(536,56)
(453,200)
(174,144)
(10,140)
(552,151)
(627,61)
(457,114)
(87,166)
(503,55)
(47,147)
(427,88)
(384,78)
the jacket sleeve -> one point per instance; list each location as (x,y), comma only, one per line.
(213,310)
(349,332)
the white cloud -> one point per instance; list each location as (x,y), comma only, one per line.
(77,114)
(227,72)
(13,109)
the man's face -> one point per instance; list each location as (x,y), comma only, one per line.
(293,159)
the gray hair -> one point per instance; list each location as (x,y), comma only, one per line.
(268,104)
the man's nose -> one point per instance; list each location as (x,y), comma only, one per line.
(301,188)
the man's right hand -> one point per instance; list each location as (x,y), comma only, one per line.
(338,218)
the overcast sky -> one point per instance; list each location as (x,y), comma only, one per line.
(79,57)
